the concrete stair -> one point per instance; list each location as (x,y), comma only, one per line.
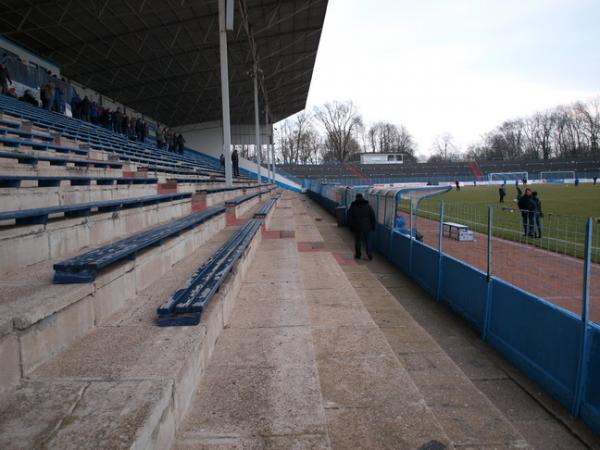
(123,383)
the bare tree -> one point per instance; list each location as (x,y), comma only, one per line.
(444,148)
(342,124)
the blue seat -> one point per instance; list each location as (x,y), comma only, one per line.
(186,305)
(265,209)
(84,268)
(40,215)
(241,199)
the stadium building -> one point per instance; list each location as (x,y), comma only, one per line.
(156,292)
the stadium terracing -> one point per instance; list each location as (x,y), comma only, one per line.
(151,300)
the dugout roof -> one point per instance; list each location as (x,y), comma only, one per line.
(161,57)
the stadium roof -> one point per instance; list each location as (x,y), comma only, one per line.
(161,57)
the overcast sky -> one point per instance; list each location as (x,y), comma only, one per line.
(457,66)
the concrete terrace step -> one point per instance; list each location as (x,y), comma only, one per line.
(303,365)
(126,383)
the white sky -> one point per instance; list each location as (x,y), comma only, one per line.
(457,66)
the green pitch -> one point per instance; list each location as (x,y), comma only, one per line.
(565,211)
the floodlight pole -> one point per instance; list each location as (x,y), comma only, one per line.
(225,86)
(256,122)
(269,145)
(273,155)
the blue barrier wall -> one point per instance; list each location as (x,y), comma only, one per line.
(541,339)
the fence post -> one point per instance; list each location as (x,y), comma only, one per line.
(440,252)
(488,298)
(582,365)
(410,244)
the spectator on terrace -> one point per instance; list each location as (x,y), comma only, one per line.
(527,208)
(144,130)
(118,121)
(125,125)
(361,220)
(57,102)
(5,79)
(235,163)
(502,192)
(76,105)
(180,141)
(28,97)
(222,160)
(537,215)
(47,95)
(94,113)
(171,140)
(160,142)
(84,109)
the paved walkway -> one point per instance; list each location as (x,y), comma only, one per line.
(320,354)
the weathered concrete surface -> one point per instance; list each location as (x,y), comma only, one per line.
(261,389)
(127,383)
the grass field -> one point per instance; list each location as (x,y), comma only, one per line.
(565,207)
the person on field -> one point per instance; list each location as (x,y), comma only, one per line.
(361,220)
(456,182)
(595,179)
(502,192)
(537,215)
(235,163)
(526,206)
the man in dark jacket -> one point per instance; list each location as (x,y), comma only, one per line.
(235,163)
(502,192)
(537,214)
(527,208)
(361,220)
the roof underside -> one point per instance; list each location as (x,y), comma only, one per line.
(161,57)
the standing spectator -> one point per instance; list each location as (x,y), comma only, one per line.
(76,105)
(47,95)
(84,109)
(171,140)
(361,220)
(537,215)
(235,163)
(180,143)
(222,161)
(526,207)
(5,79)
(93,113)
(144,130)
(159,137)
(502,192)
(125,125)
(58,95)
(118,121)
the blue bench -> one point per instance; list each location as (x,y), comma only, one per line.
(37,216)
(241,199)
(186,305)
(265,209)
(24,158)
(84,268)
(14,181)
(217,190)
(27,134)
